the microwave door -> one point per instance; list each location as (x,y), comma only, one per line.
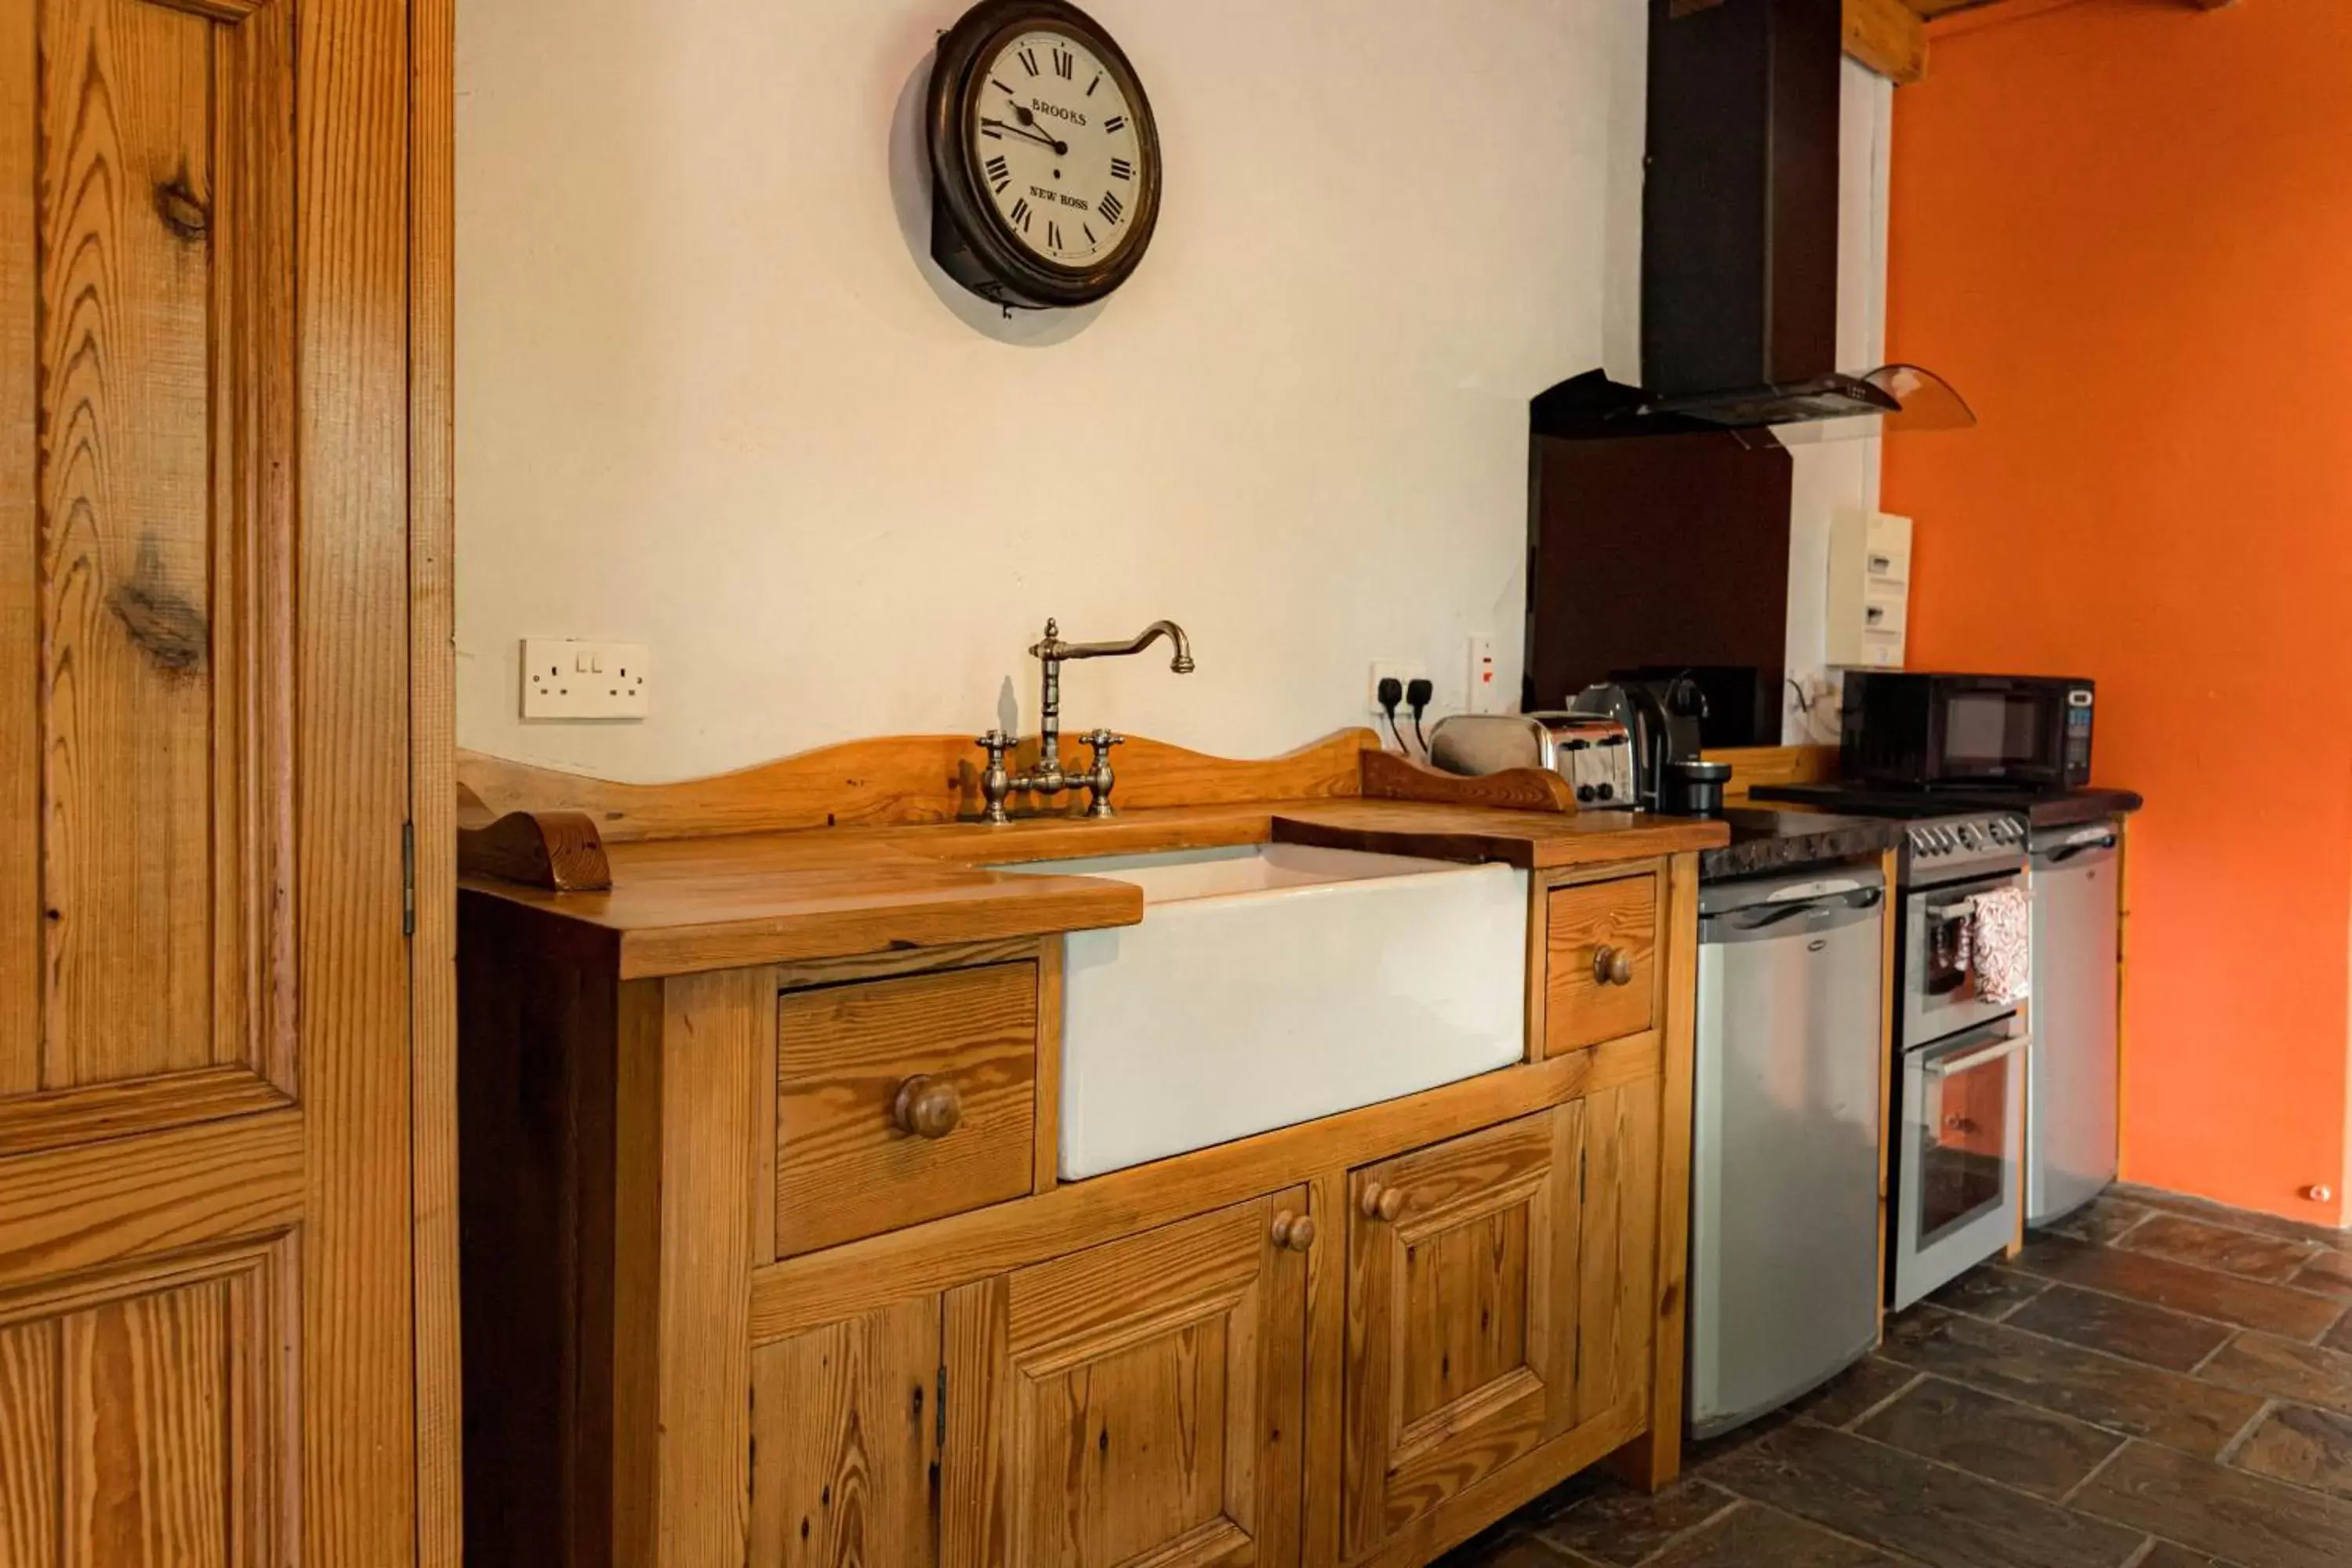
(1992,733)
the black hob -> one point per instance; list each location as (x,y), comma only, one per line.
(2059,809)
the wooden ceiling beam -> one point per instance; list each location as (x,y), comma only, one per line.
(1888,36)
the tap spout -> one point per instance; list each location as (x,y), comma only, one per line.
(1181,663)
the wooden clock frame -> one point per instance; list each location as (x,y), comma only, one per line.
(970,239)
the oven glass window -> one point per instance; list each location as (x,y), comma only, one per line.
(1963,1147)
(1991,731)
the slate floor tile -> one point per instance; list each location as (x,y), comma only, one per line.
(1752,1535)
(2104,1390)
(2285,1369)
(1903,1504)
(2130,1328)
(1621,1527)
(2339,1338)
(1506,1550)
(1855,1391)
(1989,1291)
(2329,1273)
(2162,1282)
(1997,1439)
(2216,1214)
(2310,1447)
(2244,1519)
(2167,1555)
(2102,1220)
(2250,1256)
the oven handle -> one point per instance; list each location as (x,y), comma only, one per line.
(1975,1059)
(1966,910)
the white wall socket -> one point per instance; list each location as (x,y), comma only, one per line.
(1485,690)
(1404,672)
(575,680)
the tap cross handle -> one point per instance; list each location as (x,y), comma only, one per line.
(1101,778)
(996,783)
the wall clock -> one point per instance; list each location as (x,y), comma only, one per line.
(1044,157)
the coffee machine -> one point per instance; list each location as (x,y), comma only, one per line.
(1663,716)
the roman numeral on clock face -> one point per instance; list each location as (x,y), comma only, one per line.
(1110,206)
(1066,64)
(1000,175)
(1120,169)
(1029,58)
(1096,83)
(1022,214)
(1115,124)
(1053,236)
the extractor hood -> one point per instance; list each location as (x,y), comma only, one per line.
(1739,244)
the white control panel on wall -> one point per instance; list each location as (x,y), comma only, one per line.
(567,679)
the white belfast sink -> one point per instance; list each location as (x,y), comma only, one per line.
(1270,984)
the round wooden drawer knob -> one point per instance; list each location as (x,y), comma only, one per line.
(928,1107)
(1293,1232)
(1383,1203)
(1613,966)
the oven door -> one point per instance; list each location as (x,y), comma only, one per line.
(1960,1157)
(1939,980)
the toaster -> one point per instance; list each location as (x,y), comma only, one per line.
(1592,753)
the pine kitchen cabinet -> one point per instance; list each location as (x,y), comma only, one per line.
(769,1256)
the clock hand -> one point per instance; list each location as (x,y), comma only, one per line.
(1061,149)
(1029,118)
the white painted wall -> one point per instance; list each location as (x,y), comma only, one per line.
(714,397)
(1841,475)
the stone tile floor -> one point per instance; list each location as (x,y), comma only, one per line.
(2157,1383)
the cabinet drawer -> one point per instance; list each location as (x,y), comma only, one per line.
(901,1100)
(1600,961)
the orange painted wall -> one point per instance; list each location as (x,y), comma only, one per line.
(2124,229)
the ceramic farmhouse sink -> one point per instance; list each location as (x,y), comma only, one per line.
(1270,984)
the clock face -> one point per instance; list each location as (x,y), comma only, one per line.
(1057,149)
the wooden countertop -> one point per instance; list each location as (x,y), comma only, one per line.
(680,906)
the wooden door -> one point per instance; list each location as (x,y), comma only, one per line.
(207,1345)
(1616,1313)
(845,1434)
(1463,1301)
(1140,1403)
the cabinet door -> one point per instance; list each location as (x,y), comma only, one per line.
(1463,1301)
(844,1431)
(1135,1404)
(1616,1314)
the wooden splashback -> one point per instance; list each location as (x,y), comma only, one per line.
(1752,766)
(903,781)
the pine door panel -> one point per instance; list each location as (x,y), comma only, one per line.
(1616,1321)
(143,1418)
(1463,1296)
(150,653)
(1137,1403)
(844,1436)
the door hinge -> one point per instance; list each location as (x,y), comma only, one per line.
(408,878)
(940,1412)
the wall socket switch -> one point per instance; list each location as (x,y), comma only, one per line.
(1404,672)
(1485,691)
(563,679)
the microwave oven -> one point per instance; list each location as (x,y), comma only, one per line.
(2005,731)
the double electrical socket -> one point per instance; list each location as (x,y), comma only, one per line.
(577,680)
(1481,691)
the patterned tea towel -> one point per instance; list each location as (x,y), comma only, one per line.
(2001,935)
